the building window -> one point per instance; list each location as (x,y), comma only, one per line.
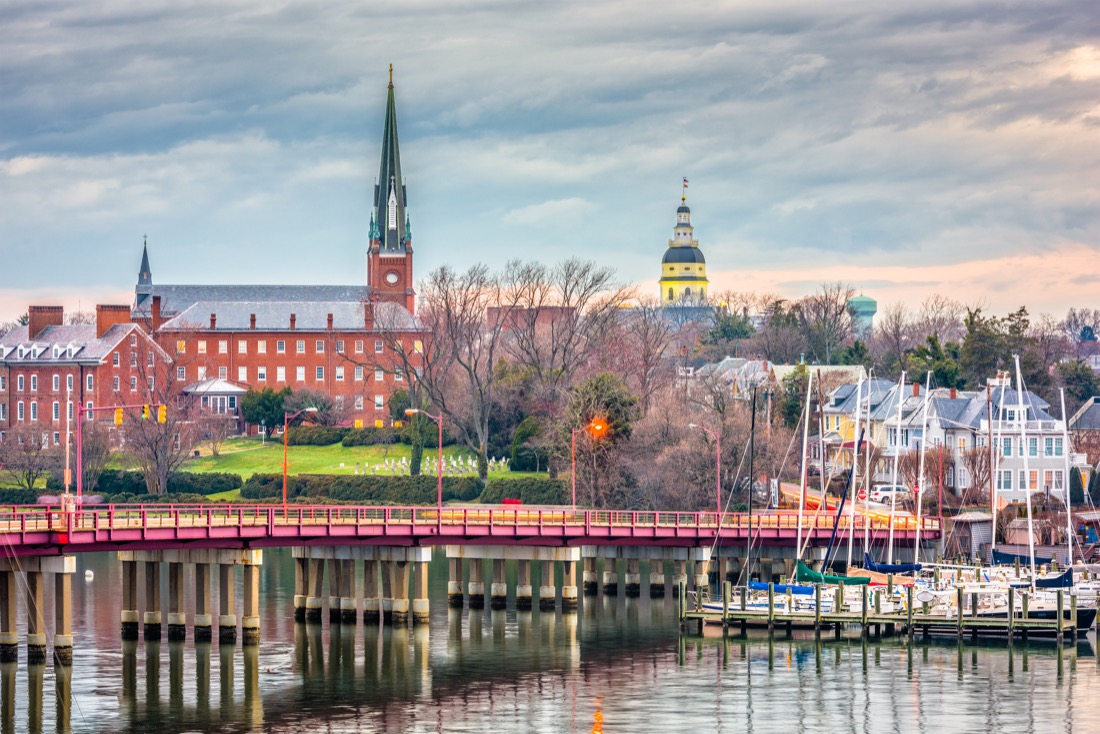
(300,347)
(56,383)
(133,384)
(34,411)
(181,346)
(242,374)
(300,374)
(339,374)
(418,346)
(181,373)
(56,437)
(377,346)
(19,410)
(358,346)
(261,347)
(378,375)
(69,409)
(202,346)
(68,382)
(398,375)
(89,383)
(261,374)
(3,411)
(88,408)
(280,374)
(358,373)
(133,359)
(319,346)
(242,347)
(379,402)
(34,383)
(19,383)
(201,373)
(280,347)
(114,383)
(1033,446)
(223,373)
(339,346)
(358,402)
(223,346)
(1006,447)
(56,410)
(4,383)
(320,374)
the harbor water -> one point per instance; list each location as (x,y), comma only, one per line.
(617,665)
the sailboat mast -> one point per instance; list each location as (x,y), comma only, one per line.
(805,460)
(1065,480)
(855,474)
(752,450)
(894,475)
(920,474)
(1022,416)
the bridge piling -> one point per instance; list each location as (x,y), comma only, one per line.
(523,585)
(63,617)
(421,610)
(590,579)
(129,600)
(335,587)
(250,620)
(679,576)
(301,573)
(400,571)
(227,620)
(9,637)
(610,576)
(476,588)
(36,623)
(548,592)
(632,580)
(569,587)
(498,591)
(371,587)
(152,616)
(657,579)
(177,620)
(315,584)
(203,620)
(349,612)
(455,597)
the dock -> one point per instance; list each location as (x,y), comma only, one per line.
(910,620)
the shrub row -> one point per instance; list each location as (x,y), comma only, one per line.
(529,490)
(371,436)
(133,483)
(400,490)
(17,496)
(315,435)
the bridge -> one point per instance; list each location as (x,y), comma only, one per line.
(390,542)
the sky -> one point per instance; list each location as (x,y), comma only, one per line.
(905,148)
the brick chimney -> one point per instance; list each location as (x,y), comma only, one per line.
(293,321)
(954,393)
(154,311)
(330,322)
(252,321)
(40,317)
(368,316)
(916,389)
(213,321)
(107,316)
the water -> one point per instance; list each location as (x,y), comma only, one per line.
(618,665)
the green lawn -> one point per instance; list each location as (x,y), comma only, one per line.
(247,456)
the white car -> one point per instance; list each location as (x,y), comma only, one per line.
(883,493)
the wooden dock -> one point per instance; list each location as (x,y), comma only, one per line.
(912,619)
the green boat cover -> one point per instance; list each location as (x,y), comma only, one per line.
(805,574)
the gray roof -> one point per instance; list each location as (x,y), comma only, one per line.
(1087,418)
(275,316)
(215,386)
(86,346)
(175,299)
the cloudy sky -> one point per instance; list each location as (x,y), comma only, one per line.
(907,148)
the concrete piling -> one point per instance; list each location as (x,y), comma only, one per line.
(227,620)
(420,605)
(610,577)
(9,638)
(177,620)
(569,586)
(523,586)
(632,579)
(63,617)
(152,618)
(476,588)
(36,623)
(129,600)
(498,591)
(548,592)
(372,608)
(301,573)
(454,583)
(203,620)
(250,620)
(590,579)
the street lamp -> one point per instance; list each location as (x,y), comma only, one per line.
(717,436)
(287,418)
(439,459)
(596,428)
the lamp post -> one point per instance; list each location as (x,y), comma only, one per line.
(287,418)
(595,428)
(717,436)
(439,459)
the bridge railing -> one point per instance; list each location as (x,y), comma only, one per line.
(39,518)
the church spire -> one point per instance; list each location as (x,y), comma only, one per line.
(145,273)
(389,191)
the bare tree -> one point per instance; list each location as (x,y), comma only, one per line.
(893,337)
(643,346)
(975,461)
(1082,327)
(96,450)
(826,319)
(779,338)
(940,316)
(80,317)
(214,428)
(330,410)
(26,455)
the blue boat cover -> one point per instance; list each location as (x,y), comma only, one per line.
(1001,558)
(782,588)
(870,565)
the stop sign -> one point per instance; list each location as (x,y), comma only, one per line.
(861,495)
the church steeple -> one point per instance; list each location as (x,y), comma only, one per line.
(389,189)
(145,273)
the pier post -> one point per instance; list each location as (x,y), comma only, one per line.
(36,622)
(523,585)
(909,611)
(959,621)
(315,581)
(1025,598)
(9,638)
(454,583)
(476,588)
(129,600)
(371,611)
(177,620)
(399,587)
(1011,614)
(250,621)
(227,620)
(590,579)
(657,579)
(1061,616)
(633,579)
(838,607)
(548,592)
(863,612)
(569,586)
(348,610)
(203,620)
(301,574)
(817,611)
(63,616)
(771,608)
(725,606)
(421,610)
(498,591)
(335,587)
(610,577)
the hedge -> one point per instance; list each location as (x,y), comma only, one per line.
(370,436)
(398,490)
(530,490)
(315,435)
(18,496)
(132,483)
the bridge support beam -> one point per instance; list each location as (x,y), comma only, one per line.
(335,589)
(523,586)
(9,637)
(348,604)
(399,589)
(632,580)
(455,595)
(420,605)
(36,621)
(63,616)
(498,592)
(129,600)
(476,588)
(548,592)
(657,555)
(301,574)
(591,580)
(657,579)
(702,576)
(569,587)
(177,620)
(250,621)
(203,620)
(227,619)
(610,576)
(152,617)
(372,592)
(315,584)
(679,576)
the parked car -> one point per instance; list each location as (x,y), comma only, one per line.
(883,493)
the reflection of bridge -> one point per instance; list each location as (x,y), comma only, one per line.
(390,543)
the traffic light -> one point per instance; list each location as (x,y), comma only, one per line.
(118,416)
(162,414)
(145,412)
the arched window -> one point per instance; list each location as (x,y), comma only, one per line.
(687,293)
(671,297)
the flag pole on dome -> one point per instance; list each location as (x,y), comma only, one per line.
(683,194)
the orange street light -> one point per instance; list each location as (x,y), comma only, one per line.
(596,428)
